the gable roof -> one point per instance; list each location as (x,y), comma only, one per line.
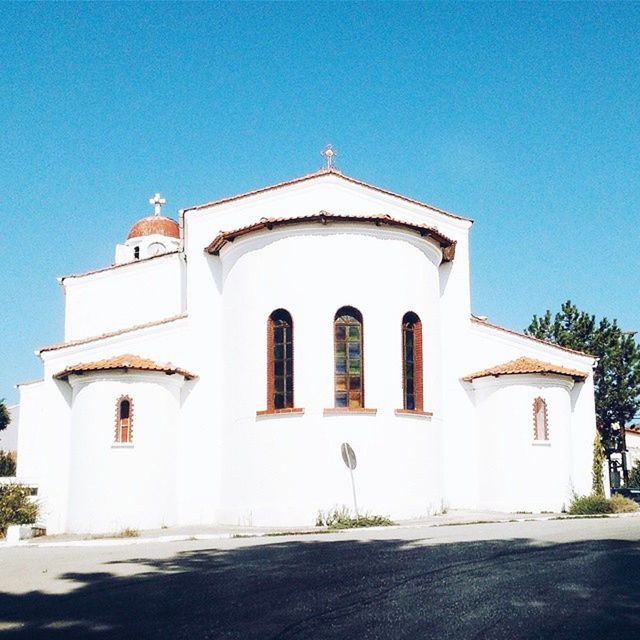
(447,245)
(124,362)
(319,174)
(527,365)
(486,323)
(109,334)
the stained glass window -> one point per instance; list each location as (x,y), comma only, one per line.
(348,370)
(412,362)
(281,360)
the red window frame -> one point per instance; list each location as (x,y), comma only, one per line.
(280,361)
(412,374)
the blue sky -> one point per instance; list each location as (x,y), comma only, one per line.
(522,116)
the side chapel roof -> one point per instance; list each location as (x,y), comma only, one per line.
(447,245)
(124,362)
(527,365)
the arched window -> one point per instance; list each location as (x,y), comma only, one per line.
(348,358)
(540,420)
(412,362)
(280,360)
(124,424)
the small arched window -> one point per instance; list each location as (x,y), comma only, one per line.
(280,360)
(348,359)
(412,362)
(540,420)
(136,253)
(124,423)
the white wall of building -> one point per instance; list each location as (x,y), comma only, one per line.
(517,472)
(123,296)
(228,464)
(114,486)
(393,272)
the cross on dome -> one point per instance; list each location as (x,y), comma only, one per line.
(157,201)
(329,154)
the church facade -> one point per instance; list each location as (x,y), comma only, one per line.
(212,374)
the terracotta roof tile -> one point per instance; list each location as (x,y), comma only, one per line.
(527,365)
(153,225)
(125,362)
(318,174)
(447,244)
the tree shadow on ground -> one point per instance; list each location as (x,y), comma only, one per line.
(350,589)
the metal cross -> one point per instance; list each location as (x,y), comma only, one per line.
(329,154)
(157,201)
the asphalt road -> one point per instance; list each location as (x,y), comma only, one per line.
(555,579)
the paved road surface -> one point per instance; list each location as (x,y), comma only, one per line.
(556,579)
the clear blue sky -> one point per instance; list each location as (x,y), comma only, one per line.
(522,116)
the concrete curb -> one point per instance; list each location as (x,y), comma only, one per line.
(276,533)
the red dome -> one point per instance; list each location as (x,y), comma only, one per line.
(155,225)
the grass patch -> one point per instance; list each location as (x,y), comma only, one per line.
(341,518)
(623,505)
(599,505)
(127,533)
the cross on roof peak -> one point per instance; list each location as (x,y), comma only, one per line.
(329,154)
(157,201)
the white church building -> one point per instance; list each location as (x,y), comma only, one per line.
(213,372)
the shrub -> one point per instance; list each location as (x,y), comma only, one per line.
(588,505)
(16,507)
(7,465)
(341,518)
(634,477)
(620,504)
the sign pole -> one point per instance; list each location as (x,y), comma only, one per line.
(349,458)
(353,488)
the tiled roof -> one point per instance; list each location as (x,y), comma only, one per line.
(317,174)
(483,322)
(110,334)
(527,365)
(125,362)
(323,217)
(153,225)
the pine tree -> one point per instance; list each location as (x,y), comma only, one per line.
(616,376)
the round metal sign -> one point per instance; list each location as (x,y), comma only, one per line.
(348,455)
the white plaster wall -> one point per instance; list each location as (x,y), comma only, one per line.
(43,447)
(633,446)
(124,296)
(517,473)
(282,470)
(334,194)
(112,485)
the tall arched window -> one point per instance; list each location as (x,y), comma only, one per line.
(540,420)
(124,412)
(280,360)
(348,358)
(412,362)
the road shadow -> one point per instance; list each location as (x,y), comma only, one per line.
(350,589)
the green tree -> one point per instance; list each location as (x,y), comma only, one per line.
(5,418)
(616,376)
(7,465)
(597,484)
